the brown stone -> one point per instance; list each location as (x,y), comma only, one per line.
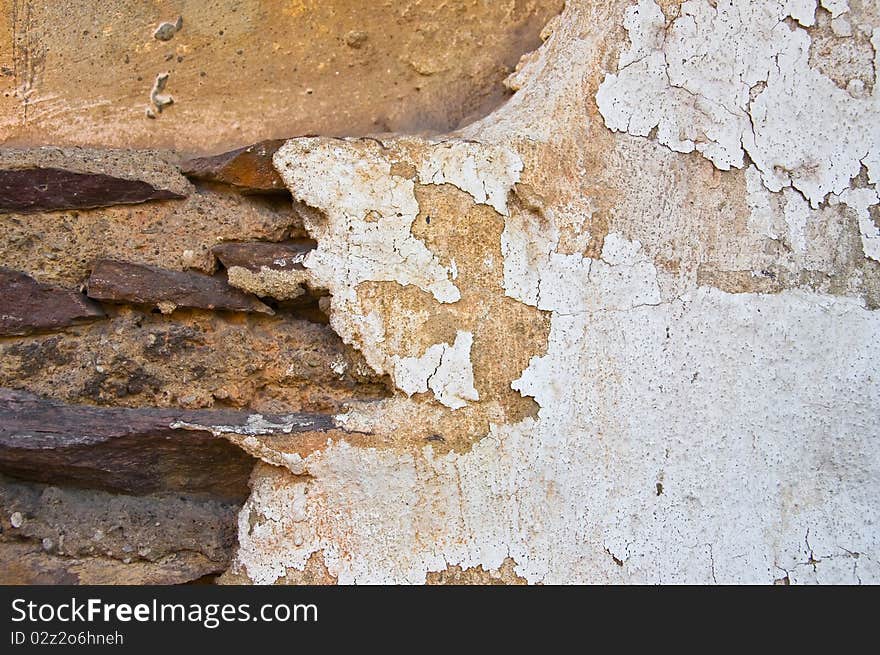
(192,359)
(56,535)
(149,285)
(28,306)
(31,190)
(249,169)
(130,450)
(254,256)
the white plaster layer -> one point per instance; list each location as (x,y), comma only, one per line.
(369,211)
(487,174)
(685,434)
(446,370)
(256,424)
(861,200)
(364,235)
(731,77)
(720,400)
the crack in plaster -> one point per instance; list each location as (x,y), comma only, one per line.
(690,80)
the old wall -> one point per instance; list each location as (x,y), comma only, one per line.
(623,328)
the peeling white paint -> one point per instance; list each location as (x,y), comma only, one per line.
(797,215)
(713,396)
(446,370)
(860,200)
(487,174)
(684,434)
(453,380)
(364,235)
(692,81)
(369,211)
(573,284)
(339,366)
(256,424)
(836,7)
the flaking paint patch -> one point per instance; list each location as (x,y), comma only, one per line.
(758,413)
(365,190)
(692,80)
(555,493)
(861,200)
(256,424)
(487,174)
(368,211)
(444,369)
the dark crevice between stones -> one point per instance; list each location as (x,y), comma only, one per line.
(269,257)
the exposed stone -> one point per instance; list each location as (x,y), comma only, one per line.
(146,167)
(61,247)
(138,450)
(27,306)
(30,190)
(272,270)
(30,564)
(254,256)
(249,169)
(149,285)
(83,536)
(193,359)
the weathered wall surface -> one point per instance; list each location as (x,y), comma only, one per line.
(238,71)
(688,200)
(623,328)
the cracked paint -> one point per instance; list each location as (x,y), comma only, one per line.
(692,80)
(861,200)
(680,433)
(365,191)
(594,452)
(446,370)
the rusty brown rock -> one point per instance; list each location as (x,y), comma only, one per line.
(31,190)
(149,285)
(132,450)
(254,256)
(249,168)
(28,306)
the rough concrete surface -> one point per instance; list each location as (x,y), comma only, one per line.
(621,328)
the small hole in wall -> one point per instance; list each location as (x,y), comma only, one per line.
(659,488)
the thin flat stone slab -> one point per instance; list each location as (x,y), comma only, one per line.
(256,255)
(33,190)
(250,169)
(127,282)
(135,450)
(28,306)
